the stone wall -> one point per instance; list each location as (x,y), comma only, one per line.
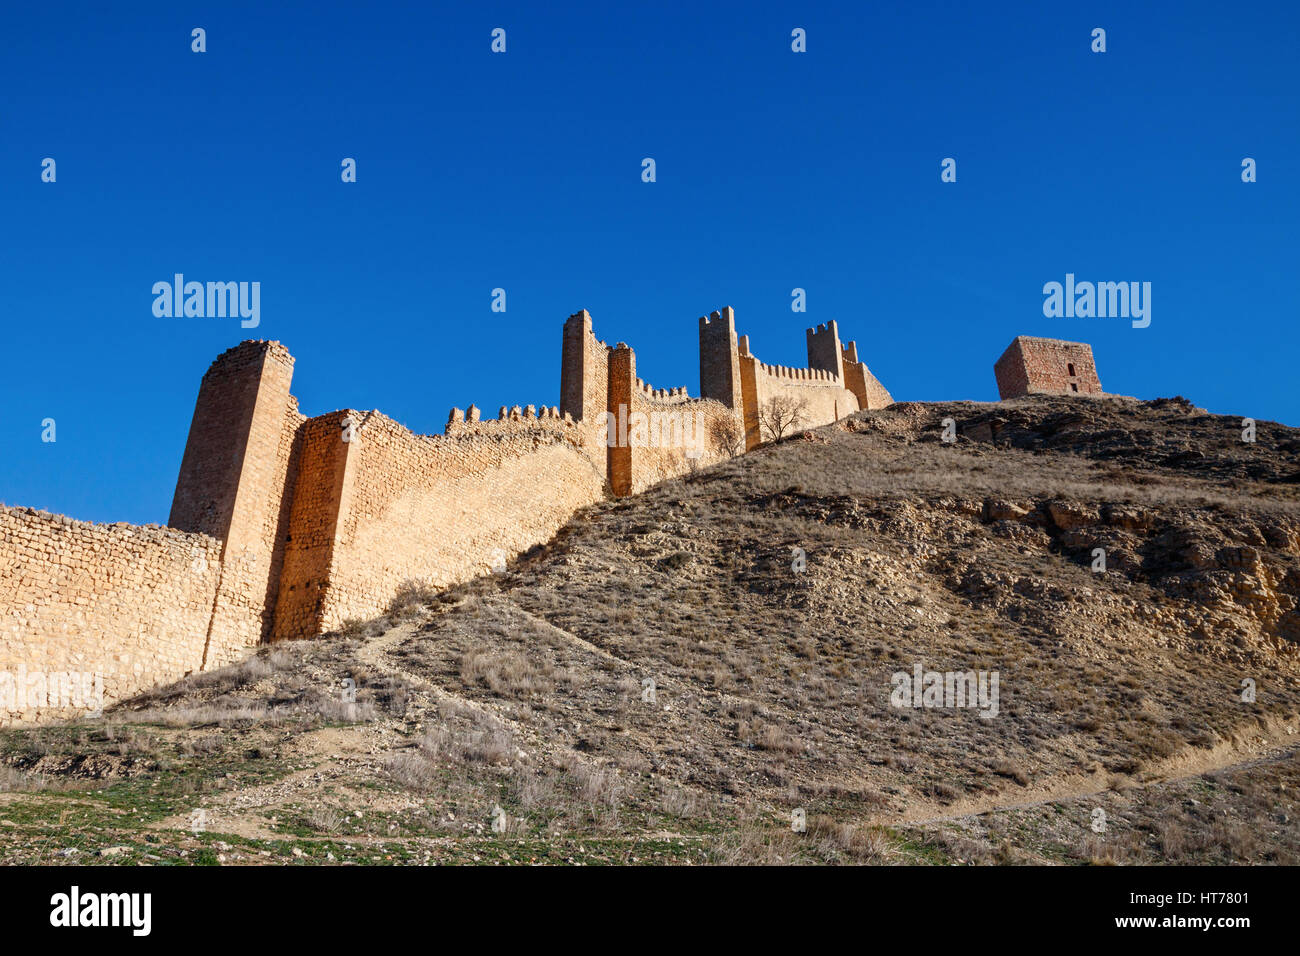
(584,374)
(659,433)
(432,509)
(319,491)
(125,605)
(719,359)
(821,396)
(285,527)
(835,384)
(1034,366)
(859,380)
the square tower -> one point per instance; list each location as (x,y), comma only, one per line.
(1033,366)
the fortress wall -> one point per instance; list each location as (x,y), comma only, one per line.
(584,385)
(672,429)
(508,420)
(128,604)
(734,376)
(622,387)
(661,433)
(824,350)
(719,359)
(859,380)
(825,397)
(584,377)
(866,387)
(435,509)
(318,492)
(283,529)
(288,463)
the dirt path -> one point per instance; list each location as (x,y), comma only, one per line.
(325,750)
(1278,740)
(1252,744)
(375,652)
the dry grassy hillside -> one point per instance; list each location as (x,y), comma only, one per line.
(1120,733)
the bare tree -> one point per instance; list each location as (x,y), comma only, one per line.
(781,414)
(726,436)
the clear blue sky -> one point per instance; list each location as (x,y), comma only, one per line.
(477,170)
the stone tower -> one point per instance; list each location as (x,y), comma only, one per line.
(1033,366)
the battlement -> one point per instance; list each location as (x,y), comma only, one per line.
(810,376)
(722,322)
(859,380)
(824,350)
(828,389)
(510,419)
(584,369)
(667,396)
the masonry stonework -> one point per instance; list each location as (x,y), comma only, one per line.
(1034,366)
(830,388)
(128,606)
(285,527)
(442,509)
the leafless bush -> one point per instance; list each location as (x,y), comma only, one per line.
(1005,768)
(1107,849)
(534,790)
(595,785)
(726,437)
(864,844)
(207,744)
(254,669)
(357,628)
(764,736)
(325,819)
(334,709)
(282,659)
(215,714)
(946,793)
(780,415)
(756,843)
(490,746)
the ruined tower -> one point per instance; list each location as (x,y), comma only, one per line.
(1034,366)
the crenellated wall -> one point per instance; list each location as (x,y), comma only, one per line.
(285,527)
(859,380)
(831,387)
(657,433)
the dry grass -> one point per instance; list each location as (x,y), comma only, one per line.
(773,680)
(16,781)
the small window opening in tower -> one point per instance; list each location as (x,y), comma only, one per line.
(1070,366)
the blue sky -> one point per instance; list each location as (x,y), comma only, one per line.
(522,170)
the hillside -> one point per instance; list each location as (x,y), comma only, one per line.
(1119,691)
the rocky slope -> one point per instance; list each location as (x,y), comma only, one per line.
(683,675)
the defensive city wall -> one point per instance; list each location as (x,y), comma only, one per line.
(284,526)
